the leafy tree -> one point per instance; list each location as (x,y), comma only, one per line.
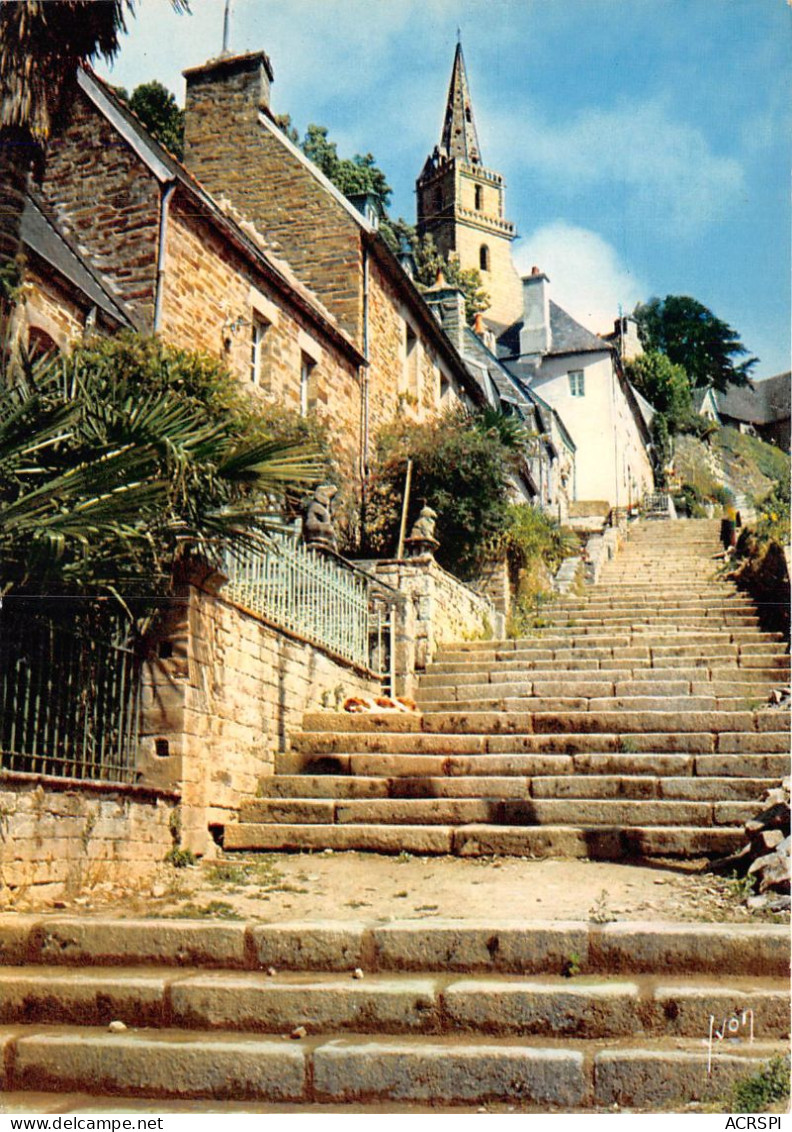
(358,174)
(661,439)
(158,111)
(461,469)
(691,336)
(665,385)
(126,459)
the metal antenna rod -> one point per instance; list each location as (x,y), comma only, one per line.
(225,26)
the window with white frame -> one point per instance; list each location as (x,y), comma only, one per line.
(258,334)
(307,385)
(577,383)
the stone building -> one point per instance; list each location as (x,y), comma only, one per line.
(63,296)
(461,203)
(601,439)
(186,266)
(236,149)
(581,376)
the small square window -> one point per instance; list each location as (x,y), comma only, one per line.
(577,383)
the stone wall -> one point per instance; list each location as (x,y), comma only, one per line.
(219,709)
(98,189)
(440,609)
(207,286)
(60,835)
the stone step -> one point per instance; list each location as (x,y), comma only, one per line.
(567,784)
(548,660)
(496,944)
(600,702)
(691,676)
(567,722)
(313,746)
(418,767)
(536,811)
(589,686)
(430,1069)
(594,842)
(388,1003)
(556,648)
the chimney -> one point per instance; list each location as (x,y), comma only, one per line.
(535,332)
(447,304)
(222,95)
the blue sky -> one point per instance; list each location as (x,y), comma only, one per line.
(645,144)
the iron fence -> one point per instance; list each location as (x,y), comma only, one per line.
(321,597)
(69,694)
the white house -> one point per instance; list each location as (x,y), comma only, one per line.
(580,376)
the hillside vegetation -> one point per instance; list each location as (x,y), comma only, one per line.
(728,462)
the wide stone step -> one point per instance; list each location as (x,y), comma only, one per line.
(567,722)
(417,768)
(423,811)
(593,842)
(600,702)
(689,677)
(624,659)
(315,746)
(388,1003)
(583,684)
(635,646)
(568,784)
(429,1069)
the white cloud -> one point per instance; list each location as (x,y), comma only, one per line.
(586,275)
(664,170)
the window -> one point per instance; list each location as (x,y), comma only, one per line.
(484,258)
(438,200)
(307,385)
(410,379)
(479,198)
(577,383)
(258,332)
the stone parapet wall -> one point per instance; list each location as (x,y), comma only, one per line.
(61,835)
(440,609)
(219,710)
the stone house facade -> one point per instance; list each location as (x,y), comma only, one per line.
(190,269)
(235,148)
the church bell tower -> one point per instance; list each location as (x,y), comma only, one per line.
(461,204)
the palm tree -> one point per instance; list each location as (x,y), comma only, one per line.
(42,44)
(107,485)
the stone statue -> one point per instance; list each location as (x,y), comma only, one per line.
(424,525)
(422,536)
(317,524)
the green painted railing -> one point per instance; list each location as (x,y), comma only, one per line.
(69,695)
(321,597)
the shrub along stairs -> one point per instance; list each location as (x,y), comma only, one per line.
(632,723)
(556,1015)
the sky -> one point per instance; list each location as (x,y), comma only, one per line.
(645,143)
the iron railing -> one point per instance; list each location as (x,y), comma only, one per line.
(69,695)
(321,597)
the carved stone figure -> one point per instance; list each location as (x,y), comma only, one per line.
(422,536)
(317,525)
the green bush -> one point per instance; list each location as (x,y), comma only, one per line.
(766,1088)
(772,462)
(461,467)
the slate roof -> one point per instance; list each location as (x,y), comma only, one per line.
(41,235)
(762,403)
(566,336)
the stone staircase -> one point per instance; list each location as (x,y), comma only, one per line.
(632,723)
(555,1015)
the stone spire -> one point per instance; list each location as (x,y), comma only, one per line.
(459,129)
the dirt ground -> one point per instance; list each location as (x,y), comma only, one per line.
(272,887)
